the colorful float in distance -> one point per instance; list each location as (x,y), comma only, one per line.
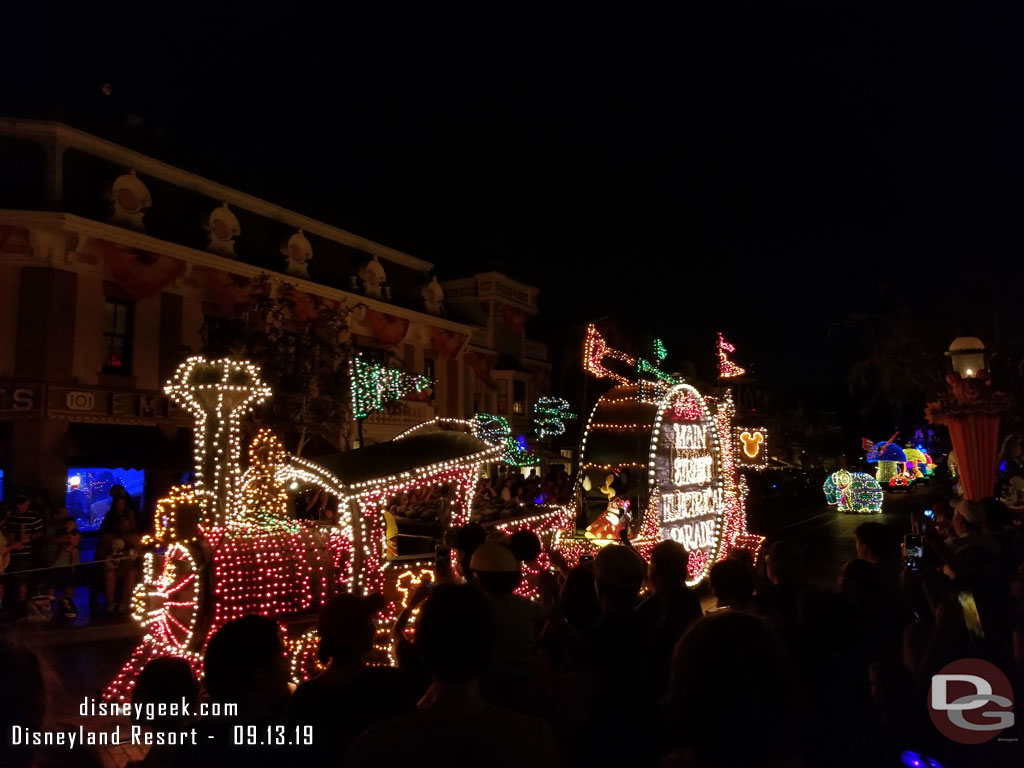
(228,546)
(919,464)
(658,461)
(855,492)
(891,459)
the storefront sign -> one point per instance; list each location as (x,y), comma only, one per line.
(19,399)
(86,404)
(110,406)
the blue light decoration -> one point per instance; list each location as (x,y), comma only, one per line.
(374,384)
(87,494)
(917,760)
(854,492)
(496,431)
(889,457)
(550,415)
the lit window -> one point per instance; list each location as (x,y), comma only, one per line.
(518,397)
(117,336)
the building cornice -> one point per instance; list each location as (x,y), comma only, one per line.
(81,226)
(67,137)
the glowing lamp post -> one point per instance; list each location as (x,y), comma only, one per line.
(971,412)
(967,356)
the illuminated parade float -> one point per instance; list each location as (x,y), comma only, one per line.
(856,492)
(228,545)
(659,460)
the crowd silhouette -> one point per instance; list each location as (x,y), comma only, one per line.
(617,663)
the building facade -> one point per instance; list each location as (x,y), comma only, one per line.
(115,266)
(505,372)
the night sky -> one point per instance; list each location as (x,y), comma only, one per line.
(767,169)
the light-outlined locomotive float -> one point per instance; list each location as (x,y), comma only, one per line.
(659,460)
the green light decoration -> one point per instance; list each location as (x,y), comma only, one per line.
(855,492)
(374,384)
(550,415)
(643,366)
(496,431)
(659,349)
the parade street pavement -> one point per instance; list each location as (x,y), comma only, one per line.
(827,536)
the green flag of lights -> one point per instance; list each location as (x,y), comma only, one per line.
(374,384)
(550,415)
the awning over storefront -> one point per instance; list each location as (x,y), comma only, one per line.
(129,447)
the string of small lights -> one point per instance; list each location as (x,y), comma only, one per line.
(374,384)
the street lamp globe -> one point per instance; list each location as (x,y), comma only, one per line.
(967,355)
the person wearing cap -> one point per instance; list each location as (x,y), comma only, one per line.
(619,661)
(518,622)
(348,696)
(968,522)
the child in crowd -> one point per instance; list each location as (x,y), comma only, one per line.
(62,540)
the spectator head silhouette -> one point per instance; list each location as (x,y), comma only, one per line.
(997,515)
(347,625)
(730,669)
(618,574)
(785,563)
(860,580)
(668,568)
(732,582)
(495,568)
(467,539)
(22,701)
(455,633)
(245,664)
(525,545)
(578,601)
(969,517)
(164,680)
(744,556)
(875,542)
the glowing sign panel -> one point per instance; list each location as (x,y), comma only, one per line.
(751,447)
(686,472)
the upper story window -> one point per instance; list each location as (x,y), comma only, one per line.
(117,336)
(518,396)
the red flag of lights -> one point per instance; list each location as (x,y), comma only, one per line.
(727,369)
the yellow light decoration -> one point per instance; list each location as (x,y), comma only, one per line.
(261,489)
(178,516)
(752,445)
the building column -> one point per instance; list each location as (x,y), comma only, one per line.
(38,457)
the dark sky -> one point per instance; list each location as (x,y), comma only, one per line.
(762,168)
